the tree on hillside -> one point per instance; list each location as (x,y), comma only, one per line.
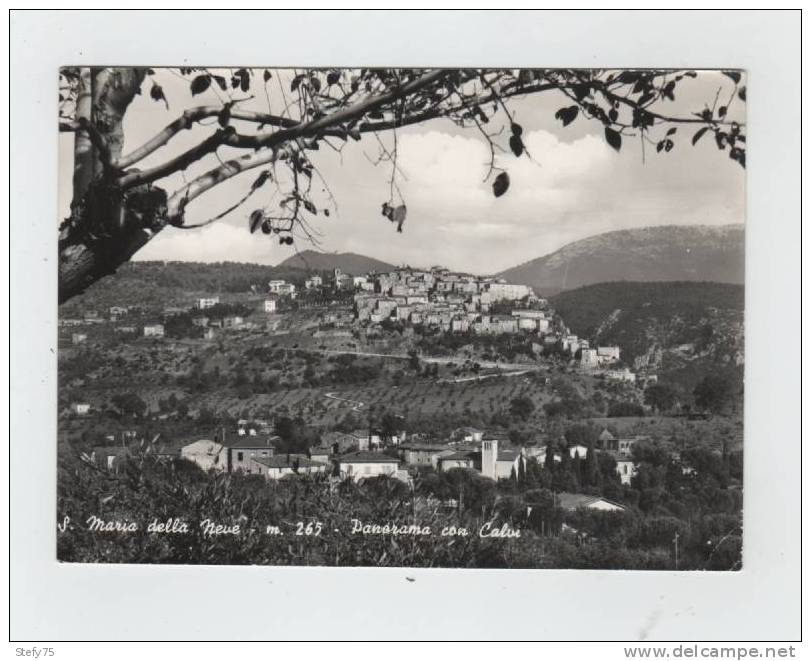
(521,407)
(715,392)
(661,396)
(119,204)
(129,404)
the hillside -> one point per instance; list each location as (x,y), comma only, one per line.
(171,283)
(649,254)
(659,325)
(348,262)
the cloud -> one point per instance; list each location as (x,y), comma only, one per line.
(565,190)
(219,242)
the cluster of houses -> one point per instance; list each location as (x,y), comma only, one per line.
(360,455)
(453,302)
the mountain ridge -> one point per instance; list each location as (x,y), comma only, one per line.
(349,262)
(709,253)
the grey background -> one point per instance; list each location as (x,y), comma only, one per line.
(50,601)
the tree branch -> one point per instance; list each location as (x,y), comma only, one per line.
(187,119)
(178,201)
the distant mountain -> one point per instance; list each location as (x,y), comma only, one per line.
(648,254)
(348,262)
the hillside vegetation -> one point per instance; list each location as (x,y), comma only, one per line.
(643,317)
(170,283)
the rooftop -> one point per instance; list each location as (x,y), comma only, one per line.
(247,441)
(368,458)
(287,461)
(572,501)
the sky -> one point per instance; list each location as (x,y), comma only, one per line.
(572,186)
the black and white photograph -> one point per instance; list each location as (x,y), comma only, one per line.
(375,325)
(430,317)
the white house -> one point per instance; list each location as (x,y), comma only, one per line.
(204,303)
(608,353)
(206,454)
(281,287)
(578,450)
(80,408)
(153,330)
(506,291)
(625,375)
(365,440)
(500,464)
(79,338)
(313,281)
(270,305)
(589,359)
(274,468)
(361,465)
(626,469)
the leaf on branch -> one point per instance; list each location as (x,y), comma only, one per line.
(742,94)
(501,184)
(266,228)
(735,76)
(294,84)
(157,94)
(200,84)
(310,206)
(399,216)
(333,77)
(567,115)
(221,82)
(698,134)
(263,177)
(722,111)
(395,214)
(354,134)
(242,79)
(613,138)
(517,145)
(581,91)
(671,131)
(266,76)
(255,219)
(628,77)
(326,212)
(516,129)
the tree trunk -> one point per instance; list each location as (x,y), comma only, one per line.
(107,226)
(84,155)
(83,262)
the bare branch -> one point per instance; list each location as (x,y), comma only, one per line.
(182,197)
